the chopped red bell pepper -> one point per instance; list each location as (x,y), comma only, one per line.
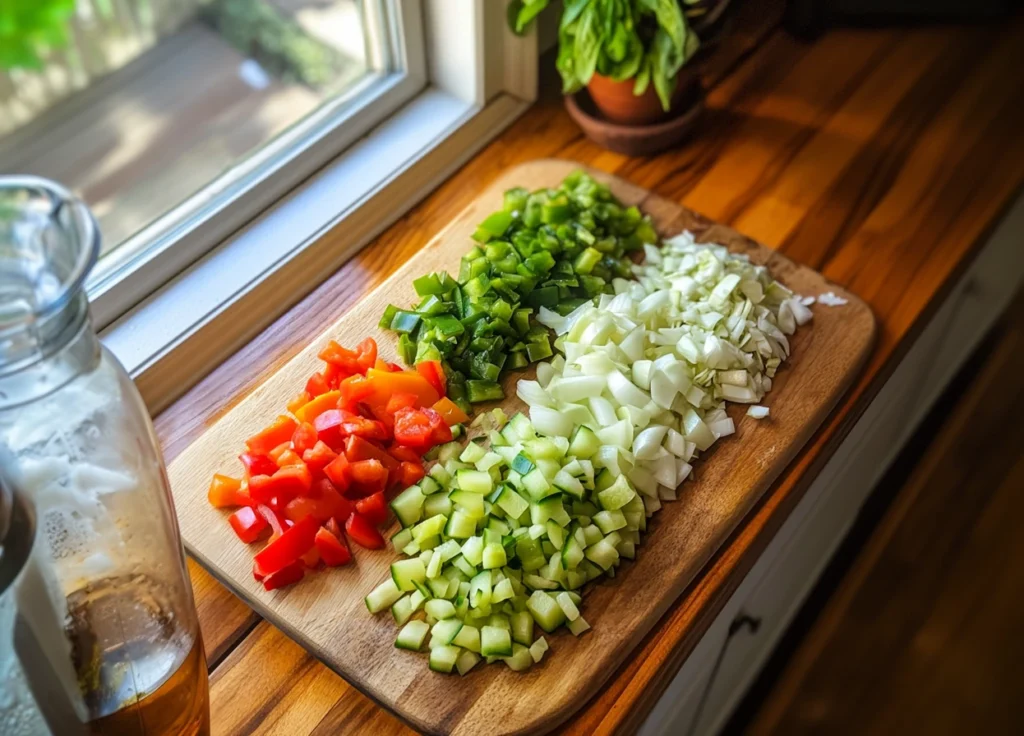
(354,390)
(405,454)
(286,576)
(277,526)
(299,401)
(289,547)
(284,485)
(278,451)
(409,474)
(401,401)
(304,437)
(257,464)
(373,507)
(333,551)
(289,457)
(248,525)
(226,492)
(327,505)
(337,471)
(317,385)
(370,475)
(312,558)
(353,361)
(434,373)
(277,433)
(363,532)
(318,456)
(334,425)
(357,448)
(421,428)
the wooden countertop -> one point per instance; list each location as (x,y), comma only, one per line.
(882,158)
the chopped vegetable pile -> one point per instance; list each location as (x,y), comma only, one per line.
(553,248)
(503,534)
(357,431)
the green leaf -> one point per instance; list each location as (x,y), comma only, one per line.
(587,45)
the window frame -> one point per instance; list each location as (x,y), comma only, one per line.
(180,332)
(181,236)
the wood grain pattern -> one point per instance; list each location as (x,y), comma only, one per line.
(812,219)
(923,632)
(326,612)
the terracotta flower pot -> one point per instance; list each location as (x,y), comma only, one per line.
(618,104)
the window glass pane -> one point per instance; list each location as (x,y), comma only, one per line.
(149,101)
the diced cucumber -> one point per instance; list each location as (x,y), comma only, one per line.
(617,495)
(448,452)
(463,565)
(609,521)
(428,484)
(603,554)
(473,550)
(468,638)
(467,660)
(412,635)
(494,556)
(522,627)
(489,460)
(475,481)
(545,611)
(434,564)
(537,485)
(538,648)
(495,642)
(471,504)
(564,481)
(520,659)
(461,525)
(499,620)
(592,535)
(537,582)
(442,659)
(443,632)
(439,608)
(437,504)
(522,427)
(401,538)
(572,553)
(406,573)
(565,602)
(408,506)
(512,503)
(449,550)
(584,443)
(480,590)
(555,533)
(428,528)
(503,590)
(383,596)
(578,626)
(472,453)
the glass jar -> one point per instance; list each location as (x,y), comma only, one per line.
(77,444)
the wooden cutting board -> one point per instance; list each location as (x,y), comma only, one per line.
(325,612)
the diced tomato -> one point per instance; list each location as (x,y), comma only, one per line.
(434,373)
(337,471)
(284,485)
(318,456)
(248,525)
(450,411)
(226,492)
(318,406)
(257,464)
(317,385)
(353,361)
(333,551)
(370,475)
(373,507)
(363,532)
(405,454)
(286,576)
(299,401)
(277,526)
(280,431)
(356,448)
(401,401)
(421,428)
(329,504)
(304,437)
(409,473)
(289,547)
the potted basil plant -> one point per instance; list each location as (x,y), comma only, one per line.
(629,54)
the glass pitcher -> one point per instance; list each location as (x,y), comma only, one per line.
(77,448)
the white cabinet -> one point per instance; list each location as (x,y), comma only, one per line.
(780,580)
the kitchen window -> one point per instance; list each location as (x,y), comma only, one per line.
(234,149)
